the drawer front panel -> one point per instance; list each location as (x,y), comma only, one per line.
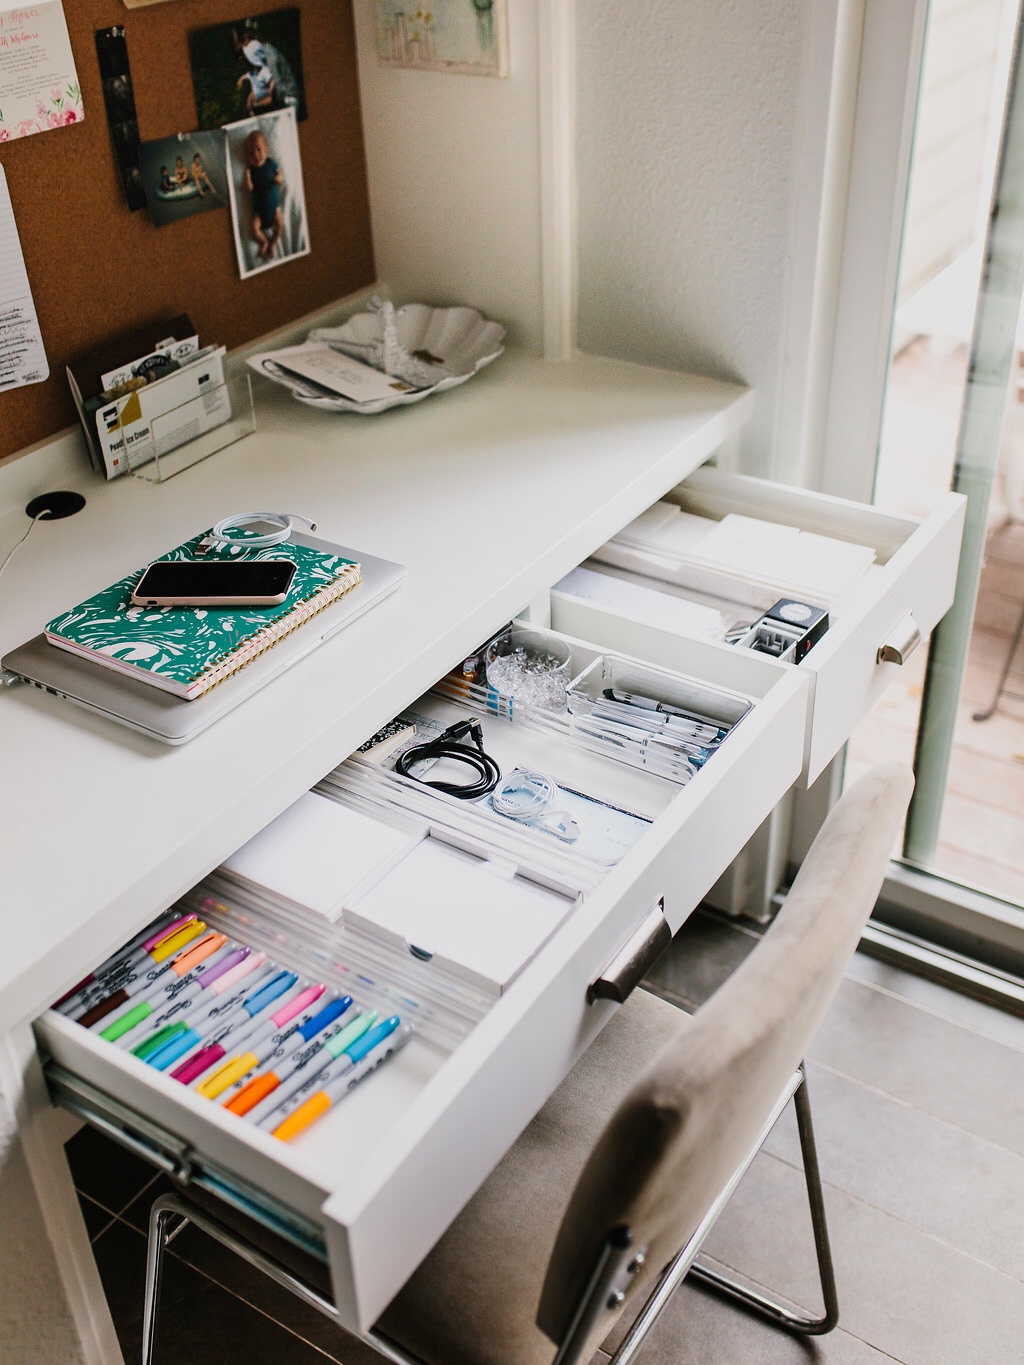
(918,581)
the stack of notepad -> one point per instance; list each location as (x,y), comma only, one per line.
(448,926)
(188,650)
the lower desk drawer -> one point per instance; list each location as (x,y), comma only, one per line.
(380,1177)
(910,584)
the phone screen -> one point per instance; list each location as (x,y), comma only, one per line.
(257,579)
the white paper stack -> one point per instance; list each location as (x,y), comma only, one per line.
(316,854)
(738,558)
(478,920)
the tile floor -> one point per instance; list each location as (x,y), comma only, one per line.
(920,1121)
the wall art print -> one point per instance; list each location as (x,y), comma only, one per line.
(468,37)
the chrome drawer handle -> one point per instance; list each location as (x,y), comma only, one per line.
(633,960)
(901,644)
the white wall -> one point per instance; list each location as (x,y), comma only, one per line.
(454,170)
(702,136)
(688,118)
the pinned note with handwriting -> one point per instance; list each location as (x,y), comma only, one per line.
(22,357)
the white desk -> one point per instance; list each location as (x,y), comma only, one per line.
(488,494)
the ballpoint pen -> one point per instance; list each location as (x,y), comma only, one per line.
(178,936)
(112,966)
(174,1048)
(662,731)
(648,748)
(664,708)
(294,1006)
(354,1066)
(297,1069)
(235,1073)
(203,956)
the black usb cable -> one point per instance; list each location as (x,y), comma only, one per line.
(447,746)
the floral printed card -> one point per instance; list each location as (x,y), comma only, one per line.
(39,86)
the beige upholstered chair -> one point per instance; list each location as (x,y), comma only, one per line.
(613,1186)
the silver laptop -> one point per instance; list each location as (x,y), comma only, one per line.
(170,719)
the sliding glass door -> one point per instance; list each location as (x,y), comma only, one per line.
(953,417)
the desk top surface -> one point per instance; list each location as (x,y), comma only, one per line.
(488,494)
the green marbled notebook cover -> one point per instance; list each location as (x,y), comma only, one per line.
(179,646)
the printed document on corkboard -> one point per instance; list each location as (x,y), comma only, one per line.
(39,87)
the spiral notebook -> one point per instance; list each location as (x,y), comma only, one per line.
(174,720)
(188,650)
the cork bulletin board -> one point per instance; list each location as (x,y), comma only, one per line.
(98,270)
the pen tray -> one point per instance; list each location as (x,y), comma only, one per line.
(596,692)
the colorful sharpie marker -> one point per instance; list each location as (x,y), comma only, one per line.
(249,1090)
(336,1062)
(253,969)
(203,955)
(116,964)
(179,936)
(168,996)
(294,1011)
(361,1060)
(214,1044)
(174,1049)
(173,1021)
(305,1063)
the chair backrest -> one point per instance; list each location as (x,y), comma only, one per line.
(698,1107)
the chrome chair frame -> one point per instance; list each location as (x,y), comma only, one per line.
(618,1262)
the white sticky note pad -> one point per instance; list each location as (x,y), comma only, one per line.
(316,852)
(476,917)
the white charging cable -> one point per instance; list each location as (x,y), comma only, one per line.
(234,531)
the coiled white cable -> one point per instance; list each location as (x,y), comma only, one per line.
(226,531)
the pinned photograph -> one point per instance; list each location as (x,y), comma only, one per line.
(184,175)
(248,67)
(268,206)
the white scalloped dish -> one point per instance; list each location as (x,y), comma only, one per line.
(432,348)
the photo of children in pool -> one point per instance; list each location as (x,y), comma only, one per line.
(247,67)
(184,176)
(268,208)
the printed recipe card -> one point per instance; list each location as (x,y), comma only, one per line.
(39,87)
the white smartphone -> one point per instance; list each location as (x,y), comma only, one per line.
(214,583)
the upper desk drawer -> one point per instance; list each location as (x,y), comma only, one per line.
(875,608)
(380,1177)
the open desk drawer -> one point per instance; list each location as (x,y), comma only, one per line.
(379,1178)
(910,586)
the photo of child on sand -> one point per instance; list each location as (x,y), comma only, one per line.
(268,208)
(184,176)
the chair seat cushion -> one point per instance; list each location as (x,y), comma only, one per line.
(459,1307)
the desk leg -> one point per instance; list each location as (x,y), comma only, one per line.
(52,1305)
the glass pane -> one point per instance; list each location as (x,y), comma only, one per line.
(952,419)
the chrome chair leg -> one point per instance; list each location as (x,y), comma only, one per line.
(159,1216)
(760,1303)
(170,1207)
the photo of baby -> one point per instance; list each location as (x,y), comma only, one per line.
(183,176)
(263,180)
(268,207)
